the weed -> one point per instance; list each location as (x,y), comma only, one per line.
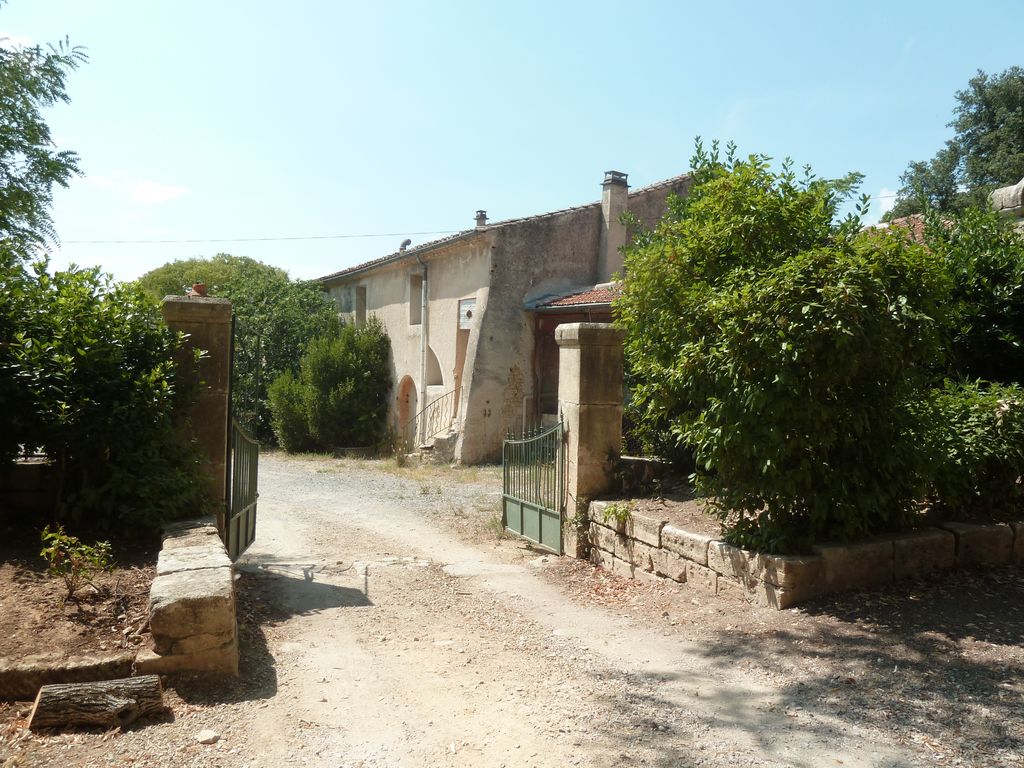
(73,561)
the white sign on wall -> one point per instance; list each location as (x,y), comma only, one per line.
(467,308)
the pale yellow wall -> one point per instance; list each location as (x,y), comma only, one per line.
(455,273)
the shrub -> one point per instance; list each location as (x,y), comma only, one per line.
(974,433)
(99,391)
(275,318)
(342,391)
(984,256)
(783,346)
(73,561)
(289,414)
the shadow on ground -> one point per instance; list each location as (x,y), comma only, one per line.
(937,665)
(267,594)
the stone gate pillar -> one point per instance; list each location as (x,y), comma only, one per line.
(207,321)
(590,402)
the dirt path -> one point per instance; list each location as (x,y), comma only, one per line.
(386,625)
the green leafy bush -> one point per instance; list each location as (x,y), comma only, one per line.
(275,318)
(73,561)
(984,256)
(98,390)
(289,414)
(782,345)
(340,398)
(974,434)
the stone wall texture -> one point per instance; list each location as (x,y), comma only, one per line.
(192,614)
(644,547)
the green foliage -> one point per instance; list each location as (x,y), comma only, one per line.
(974,434)
(782,344)
(617,515)
(71,560)
(987,150)
(90,368)
(274,320)
(340,397)
(984,257)
(32,79)
(288,406)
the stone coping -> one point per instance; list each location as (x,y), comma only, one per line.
(644,547)
(192,614)
(21,679)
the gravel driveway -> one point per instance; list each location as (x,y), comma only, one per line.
(385,623)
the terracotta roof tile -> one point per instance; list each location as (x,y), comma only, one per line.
(599,294)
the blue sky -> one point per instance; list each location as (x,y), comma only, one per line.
(224,120)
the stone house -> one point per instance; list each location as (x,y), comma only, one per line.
(472,316)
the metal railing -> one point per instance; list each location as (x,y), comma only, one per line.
(437,417)
(240,528)
(533,485)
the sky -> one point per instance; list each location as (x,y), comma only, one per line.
(253,127)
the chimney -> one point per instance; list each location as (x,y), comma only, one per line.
(481,218)
(614,197)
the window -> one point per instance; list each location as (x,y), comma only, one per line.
(415,299)
(360,306)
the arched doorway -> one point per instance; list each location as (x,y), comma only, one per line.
(407,410)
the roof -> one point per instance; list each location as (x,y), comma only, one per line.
(914,224)
(468,234)
(601,295)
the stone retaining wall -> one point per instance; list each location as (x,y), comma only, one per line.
(192,605)
(643,547)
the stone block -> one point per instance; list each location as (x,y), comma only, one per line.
(601,558)
(733,588)
(201,643)
(990,544)
(701,577)
(1018,542)
(669,564)
(21,678)
(732,562)
(803,573)
(604,538)
(857,565)
(920,552)
(191,603)
(175,559)
(635,553)
(222,660)
(771,596)
(645,529)
(191,535)
(692,546)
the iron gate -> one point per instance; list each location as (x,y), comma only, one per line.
(533,486)
(240,526)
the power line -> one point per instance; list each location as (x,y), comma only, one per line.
(256,239)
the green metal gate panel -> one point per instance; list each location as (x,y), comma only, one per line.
(533,485)
(240,526)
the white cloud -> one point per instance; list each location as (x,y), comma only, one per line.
(142,191)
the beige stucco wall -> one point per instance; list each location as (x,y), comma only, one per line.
(453,273)
(502,268)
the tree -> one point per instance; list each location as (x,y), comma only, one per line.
(339,399)
(983,254)
(275,318)
(32,79)
(986,152)
(782,345)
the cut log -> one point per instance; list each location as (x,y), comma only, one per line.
(108,703)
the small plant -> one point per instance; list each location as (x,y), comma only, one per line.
(619,514)
(73,561)
(496,526)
